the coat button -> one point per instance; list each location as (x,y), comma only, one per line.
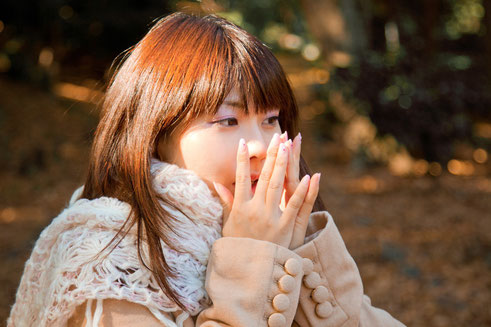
(276,320)
(286,283)
(281,302)
(292,266)
(312,280)
(320,294)
(307,265)
(324,309)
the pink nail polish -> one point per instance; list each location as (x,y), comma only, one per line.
(282,147)
(275,138)
(242,145)
(300,136)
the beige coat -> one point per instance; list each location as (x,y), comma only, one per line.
(258,283)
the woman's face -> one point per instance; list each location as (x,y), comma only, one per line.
(209,145)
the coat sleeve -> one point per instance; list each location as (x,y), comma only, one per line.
(251,283)
(332,292)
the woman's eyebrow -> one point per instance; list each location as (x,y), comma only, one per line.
(232,103)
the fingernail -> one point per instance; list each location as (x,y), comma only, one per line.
(282,136)
(242,145)
(282,147)
(306,178)
(300,136)
(275,138)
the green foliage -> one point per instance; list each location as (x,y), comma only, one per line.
(430,87)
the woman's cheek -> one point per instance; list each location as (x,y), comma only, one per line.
(225,158)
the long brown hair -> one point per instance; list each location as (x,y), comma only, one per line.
(184,67)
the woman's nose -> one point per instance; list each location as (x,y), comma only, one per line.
(257,147)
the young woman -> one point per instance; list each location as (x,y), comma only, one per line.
(195,210)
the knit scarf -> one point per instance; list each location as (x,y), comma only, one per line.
(64,270)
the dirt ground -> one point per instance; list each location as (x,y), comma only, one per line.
(422,244)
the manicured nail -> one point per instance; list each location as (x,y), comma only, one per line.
(275,138)
(242,145)
(282,147)
(299,136)
(290,144)
(282,136)
(305,179)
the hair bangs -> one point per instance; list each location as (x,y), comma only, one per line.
(225,57)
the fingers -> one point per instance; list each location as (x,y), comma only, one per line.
(296,201)
(293,169)
(226,198)
(268,167)
(277,182)
(302,217)
(297,145)
(243,174)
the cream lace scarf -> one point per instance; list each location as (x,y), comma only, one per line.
(61,273)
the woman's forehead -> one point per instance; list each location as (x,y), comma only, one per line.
(235,100)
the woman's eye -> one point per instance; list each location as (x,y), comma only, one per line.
(227,122)
(272,120)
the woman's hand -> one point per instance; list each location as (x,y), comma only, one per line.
(291,183)
(259,216)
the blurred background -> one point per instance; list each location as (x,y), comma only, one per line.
(395,105)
